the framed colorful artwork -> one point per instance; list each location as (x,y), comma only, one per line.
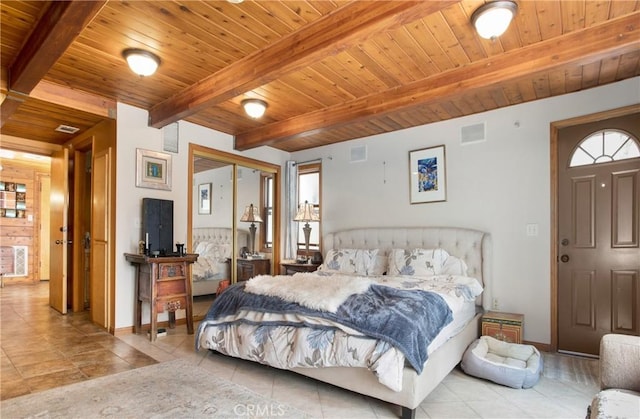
(204,198)
(153,169)
(427,175)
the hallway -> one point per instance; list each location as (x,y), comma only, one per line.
(43,349)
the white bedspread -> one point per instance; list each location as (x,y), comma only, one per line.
(325,344)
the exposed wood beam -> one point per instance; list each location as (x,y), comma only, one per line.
(615,36)
(55,31)
(10,142)
(9,105)
(333,33)
(75,99)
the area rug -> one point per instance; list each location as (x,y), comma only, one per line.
(174,389)
(575,369)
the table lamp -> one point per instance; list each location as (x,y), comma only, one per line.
(251,215)
(306,214)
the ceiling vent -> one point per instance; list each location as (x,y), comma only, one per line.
(472,133)
(67,129)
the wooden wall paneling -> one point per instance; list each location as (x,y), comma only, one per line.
(22,231)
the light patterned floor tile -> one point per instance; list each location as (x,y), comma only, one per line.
(36,329)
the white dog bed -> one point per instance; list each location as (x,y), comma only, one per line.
(510,364)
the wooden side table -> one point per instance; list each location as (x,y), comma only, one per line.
(290,268)
(248,268)
(165,283)
(508,327)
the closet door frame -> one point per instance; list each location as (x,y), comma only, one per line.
(237,161)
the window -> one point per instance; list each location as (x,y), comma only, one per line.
(309,190)
(266,201)
(605,146)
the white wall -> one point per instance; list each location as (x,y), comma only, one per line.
(221,198)
(499,186)
(133,133)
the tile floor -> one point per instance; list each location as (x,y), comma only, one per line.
(42,349)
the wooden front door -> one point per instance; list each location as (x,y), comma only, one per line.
(59,234)
(598,234)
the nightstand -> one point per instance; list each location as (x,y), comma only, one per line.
(508,327)
(290,268)
(248,268)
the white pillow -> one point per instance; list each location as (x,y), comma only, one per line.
(354,261)
(201,247)
(379,266)
(416,262)
(454,266)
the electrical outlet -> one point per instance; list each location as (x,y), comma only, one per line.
(495,305)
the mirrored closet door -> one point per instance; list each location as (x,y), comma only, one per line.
(233,217)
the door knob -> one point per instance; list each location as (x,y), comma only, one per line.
(564,258)
(58,241)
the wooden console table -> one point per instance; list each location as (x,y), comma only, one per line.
(165,283)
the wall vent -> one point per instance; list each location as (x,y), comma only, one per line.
(358,153)
(18,263)
(472,133)
(67,129)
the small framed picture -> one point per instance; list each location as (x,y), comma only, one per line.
(153,169)
(204,198)
(427,175)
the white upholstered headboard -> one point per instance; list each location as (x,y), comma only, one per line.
(472,246)
(218,235)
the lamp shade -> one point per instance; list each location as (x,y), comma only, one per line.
(493,19)
(141,62)
(255,108)
(251,215)
(307,213)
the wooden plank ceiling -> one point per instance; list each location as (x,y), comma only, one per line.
(330,71)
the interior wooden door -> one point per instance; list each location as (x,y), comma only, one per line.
(99,295)
(44,228)
(598,217)
(59,204)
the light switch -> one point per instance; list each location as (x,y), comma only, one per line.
(532,229)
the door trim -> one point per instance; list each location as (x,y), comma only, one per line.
(553,141)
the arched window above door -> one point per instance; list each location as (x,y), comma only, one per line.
(605,146)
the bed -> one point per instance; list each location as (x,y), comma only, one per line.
(416,381)
(213,246)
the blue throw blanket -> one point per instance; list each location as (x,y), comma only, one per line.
(406,319)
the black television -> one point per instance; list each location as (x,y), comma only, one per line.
(157,225)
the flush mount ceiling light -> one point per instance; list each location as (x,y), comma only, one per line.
(493,19)
(255,108)
(141,62)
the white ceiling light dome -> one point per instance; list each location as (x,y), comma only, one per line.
(493,19)
(255,108)
(141,62)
